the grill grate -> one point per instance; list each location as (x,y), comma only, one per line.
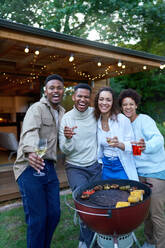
(105,198)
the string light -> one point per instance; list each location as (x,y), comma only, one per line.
(26,50)
(119,63)
(71,58)
(89,76)
(37,52)
(110,69)
(162,66)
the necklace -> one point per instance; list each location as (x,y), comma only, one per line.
(105,125)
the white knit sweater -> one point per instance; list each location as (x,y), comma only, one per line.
(81,149)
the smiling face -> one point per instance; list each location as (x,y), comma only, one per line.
(105,102)
(129,108)
(54,91)
(81,99)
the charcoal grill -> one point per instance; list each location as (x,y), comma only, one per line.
(105,198)
(101,215)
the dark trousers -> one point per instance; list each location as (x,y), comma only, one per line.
(78,176)
(41,203)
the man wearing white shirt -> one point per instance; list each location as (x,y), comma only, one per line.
(78,140)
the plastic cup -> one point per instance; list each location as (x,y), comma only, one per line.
(136,150)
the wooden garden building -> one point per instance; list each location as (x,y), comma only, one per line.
(29,54)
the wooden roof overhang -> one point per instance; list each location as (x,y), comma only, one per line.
(21,73)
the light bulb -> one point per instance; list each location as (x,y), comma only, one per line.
(119,63)
(99,64)
(162,66)
(123,66)
(26,50)
(37,52)
(144,67)
(71,58)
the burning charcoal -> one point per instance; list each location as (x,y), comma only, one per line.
(114,186)
(98,187)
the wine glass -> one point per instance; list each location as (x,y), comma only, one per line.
(40,150)
(109,138)
(110,141)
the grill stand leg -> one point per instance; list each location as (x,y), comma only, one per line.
(115,241)
(136,241)
(93,240)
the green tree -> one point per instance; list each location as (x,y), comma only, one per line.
(21,11)
(140,21)
(150,27)
(151,87)
(117,22)
(68,17)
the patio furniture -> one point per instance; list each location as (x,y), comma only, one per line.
(9,142)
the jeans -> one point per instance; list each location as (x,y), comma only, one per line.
(77,177)
(41,203)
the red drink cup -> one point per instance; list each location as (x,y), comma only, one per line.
(136,150)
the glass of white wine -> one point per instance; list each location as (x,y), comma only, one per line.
(41,149)
(110,141)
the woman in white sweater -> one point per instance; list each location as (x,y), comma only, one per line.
(114,136)
(150,166)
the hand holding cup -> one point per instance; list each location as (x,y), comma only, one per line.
(112,141)
(138,147)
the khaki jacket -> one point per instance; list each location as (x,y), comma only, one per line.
(40,122)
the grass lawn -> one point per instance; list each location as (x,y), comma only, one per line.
(13,229)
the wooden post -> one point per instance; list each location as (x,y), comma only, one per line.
(96,86)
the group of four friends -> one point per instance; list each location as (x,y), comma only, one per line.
(82,134)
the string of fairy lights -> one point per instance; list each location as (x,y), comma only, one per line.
(109,69)
(115,70)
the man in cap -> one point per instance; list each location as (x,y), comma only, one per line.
(40,194)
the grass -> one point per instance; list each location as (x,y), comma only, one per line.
(13,228)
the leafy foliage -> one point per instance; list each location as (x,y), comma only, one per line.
(141,22)
(21,11)
(151,87)
(161,128)
(117,22)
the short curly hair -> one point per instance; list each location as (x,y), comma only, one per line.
(82,86)
(54,77)
(129,93)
